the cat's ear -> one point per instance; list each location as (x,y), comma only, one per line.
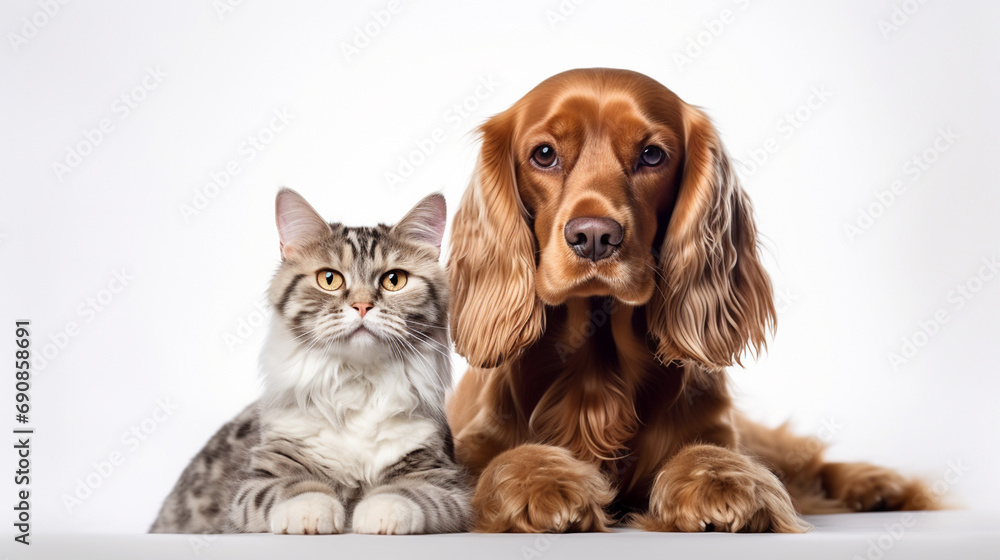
(425,222)
(298,223)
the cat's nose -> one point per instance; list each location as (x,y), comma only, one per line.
(362,308)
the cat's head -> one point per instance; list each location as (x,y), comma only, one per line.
(360,291)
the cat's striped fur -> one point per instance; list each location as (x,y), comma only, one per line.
(351,430)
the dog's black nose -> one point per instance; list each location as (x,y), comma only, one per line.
(593,238)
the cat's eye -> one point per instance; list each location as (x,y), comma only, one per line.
(330,280)
(394,280)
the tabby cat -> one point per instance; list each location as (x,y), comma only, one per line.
(350,430)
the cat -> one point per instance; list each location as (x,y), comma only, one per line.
(350,430)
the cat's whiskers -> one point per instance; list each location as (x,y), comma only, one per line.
(428,325)
(325,340)
(416,353)
(396,349)
(311,331)
(434,344)
(403,331)
(404,327)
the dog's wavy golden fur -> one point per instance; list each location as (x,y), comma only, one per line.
(597,392)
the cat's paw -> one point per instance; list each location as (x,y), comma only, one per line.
(388,514)
(311,513)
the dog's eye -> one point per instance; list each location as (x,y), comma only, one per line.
(652,156)
(544,156)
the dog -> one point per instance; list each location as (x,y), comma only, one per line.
(604,272)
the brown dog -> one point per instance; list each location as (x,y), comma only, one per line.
(604,272)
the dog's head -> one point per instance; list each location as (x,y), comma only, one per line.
(603,182)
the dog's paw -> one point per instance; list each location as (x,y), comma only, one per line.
(541,489)
(311,513)
(388,514)
(709,488)
(866,487)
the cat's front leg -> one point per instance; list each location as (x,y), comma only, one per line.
(311,513)
(293,506)
(432,501)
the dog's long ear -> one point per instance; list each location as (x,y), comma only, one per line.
(494,310)
(714,298)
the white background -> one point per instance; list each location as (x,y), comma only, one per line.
(850,300)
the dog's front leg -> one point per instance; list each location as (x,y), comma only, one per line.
(541,489)
(711,488)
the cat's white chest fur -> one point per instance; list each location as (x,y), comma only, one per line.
(352,421)
(366,443)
